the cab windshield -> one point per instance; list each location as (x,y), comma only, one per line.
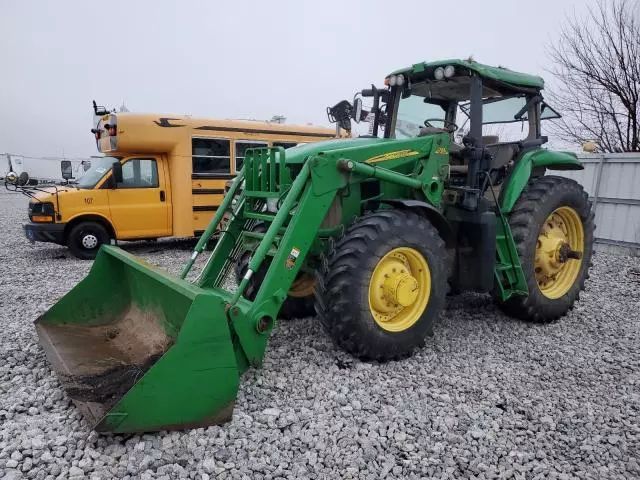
(412,112)
(99,167)
(508,110)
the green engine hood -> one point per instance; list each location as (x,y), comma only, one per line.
(300,153)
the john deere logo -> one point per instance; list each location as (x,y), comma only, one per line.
(391,156)
(441,151)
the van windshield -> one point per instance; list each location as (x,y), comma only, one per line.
(99,168)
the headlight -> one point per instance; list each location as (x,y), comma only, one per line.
(41,212)
(41,208)
(272,205)
(439,73)
(449,71)
(394,80)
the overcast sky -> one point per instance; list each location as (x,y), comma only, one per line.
(234,59)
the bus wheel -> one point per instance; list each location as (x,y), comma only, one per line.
(85,238)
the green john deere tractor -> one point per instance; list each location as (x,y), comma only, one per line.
(374,231)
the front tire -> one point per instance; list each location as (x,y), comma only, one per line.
(300,301)
(84,239)
(552,223)
(382,285)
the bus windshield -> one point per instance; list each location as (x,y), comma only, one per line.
(99,168)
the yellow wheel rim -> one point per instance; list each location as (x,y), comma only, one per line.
(399,289)
(559,252)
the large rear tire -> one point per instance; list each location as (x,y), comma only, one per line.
(299,303)
(552,223)
(381,286)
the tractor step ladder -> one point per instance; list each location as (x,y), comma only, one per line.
(508,271)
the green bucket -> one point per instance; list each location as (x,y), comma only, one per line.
(139,350)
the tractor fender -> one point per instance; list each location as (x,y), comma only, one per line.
(519,177)
(431,213)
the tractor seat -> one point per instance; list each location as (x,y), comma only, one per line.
(502,153)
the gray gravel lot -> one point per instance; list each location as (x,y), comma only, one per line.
(488,397)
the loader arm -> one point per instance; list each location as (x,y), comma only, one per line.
(301,213)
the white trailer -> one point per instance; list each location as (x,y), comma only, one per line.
(43,170)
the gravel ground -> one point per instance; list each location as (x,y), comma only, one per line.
(488,397)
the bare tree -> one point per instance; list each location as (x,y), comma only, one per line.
(597,68)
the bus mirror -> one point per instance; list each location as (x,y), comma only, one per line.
(66,169)
(357,110)
(116,173)
(23,179)
(12,178)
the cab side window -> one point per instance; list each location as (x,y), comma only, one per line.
(139,173)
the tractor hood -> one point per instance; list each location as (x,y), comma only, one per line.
(301,152)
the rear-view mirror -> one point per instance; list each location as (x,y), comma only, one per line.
(116,173)
(66,169)
(357,109)
(12,177)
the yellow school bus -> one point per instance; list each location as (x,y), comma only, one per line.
(160,176)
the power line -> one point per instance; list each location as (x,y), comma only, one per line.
(47,158)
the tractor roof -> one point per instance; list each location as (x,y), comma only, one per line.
(499,74)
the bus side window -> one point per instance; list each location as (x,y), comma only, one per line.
(211,155)
(284,144)
(241,147)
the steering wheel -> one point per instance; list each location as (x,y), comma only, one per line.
(448,125)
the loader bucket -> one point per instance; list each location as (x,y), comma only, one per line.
(138,350)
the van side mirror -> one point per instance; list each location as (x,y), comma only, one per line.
(23,179)
(66,169)
(116,173)
(11,178)
(357,110)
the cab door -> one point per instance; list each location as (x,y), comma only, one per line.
(138,205)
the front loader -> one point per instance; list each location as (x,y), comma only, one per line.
(373,231)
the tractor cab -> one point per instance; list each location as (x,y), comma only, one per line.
(474,104)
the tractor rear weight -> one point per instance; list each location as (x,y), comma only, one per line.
(379,173)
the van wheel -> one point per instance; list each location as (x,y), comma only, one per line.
(85,238)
